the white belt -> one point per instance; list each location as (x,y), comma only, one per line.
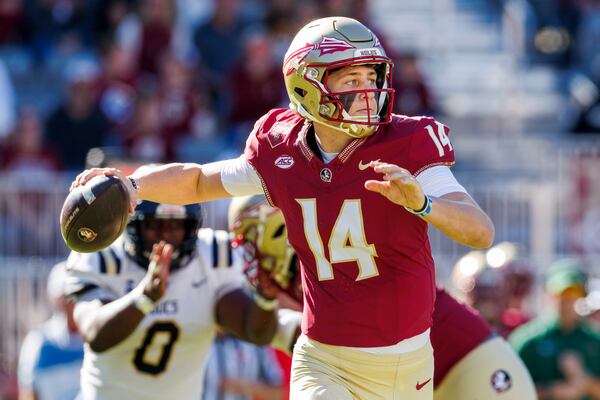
(404,346)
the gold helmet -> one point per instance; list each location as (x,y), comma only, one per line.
(323,46)
(260,229)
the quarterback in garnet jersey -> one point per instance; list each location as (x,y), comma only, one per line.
(359,187)
(389,251)
(471,361)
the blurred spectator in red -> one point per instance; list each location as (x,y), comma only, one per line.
(252,84)
(25,153)
(178,98)
(11,20)
(496,284)
(27,226)
(78,124)
(412,96)
(158,18)
(144,140)
(346,8)
(8,385)
(117,87)
(219,44)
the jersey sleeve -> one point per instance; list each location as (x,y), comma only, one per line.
(438,181)
(239,178)
(430,146)
(252,143)
(92,275)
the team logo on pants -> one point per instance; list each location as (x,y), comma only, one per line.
(501,381)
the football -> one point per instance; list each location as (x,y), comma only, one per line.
(94,215)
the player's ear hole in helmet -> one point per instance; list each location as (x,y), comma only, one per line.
(149,215)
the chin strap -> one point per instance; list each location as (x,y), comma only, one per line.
(296,106)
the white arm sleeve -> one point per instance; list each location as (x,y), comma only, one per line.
(239,178)
(438,181)
(29,358)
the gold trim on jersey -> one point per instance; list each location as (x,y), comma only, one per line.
(436,164)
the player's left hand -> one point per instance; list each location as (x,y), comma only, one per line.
(157,276)
(398,185)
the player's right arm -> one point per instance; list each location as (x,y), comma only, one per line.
(104,324)
(29,358)
(174,183)
(187,183)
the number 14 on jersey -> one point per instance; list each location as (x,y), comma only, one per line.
(347,242)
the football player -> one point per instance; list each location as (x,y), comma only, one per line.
(498,290)
(148,305)
(358,188)
(471,361)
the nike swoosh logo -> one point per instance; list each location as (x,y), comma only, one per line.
(362,166)
(199,283)
(420,385)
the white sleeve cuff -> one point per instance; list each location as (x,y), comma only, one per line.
(239,178)
(438,181)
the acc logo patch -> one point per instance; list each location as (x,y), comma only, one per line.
(86,235)
(501,381)
(284,161)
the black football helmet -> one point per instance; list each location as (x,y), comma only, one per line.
(137,248)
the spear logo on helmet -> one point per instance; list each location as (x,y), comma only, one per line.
(326,46)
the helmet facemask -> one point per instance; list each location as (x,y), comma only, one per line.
(335,106)
(155,216)
(260,231)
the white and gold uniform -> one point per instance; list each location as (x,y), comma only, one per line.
(164,356)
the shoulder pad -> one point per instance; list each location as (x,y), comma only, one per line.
(218,243)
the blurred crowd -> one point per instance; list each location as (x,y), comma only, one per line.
(154,80)
(163,80)
(147,81)
(563,34)
(559,339)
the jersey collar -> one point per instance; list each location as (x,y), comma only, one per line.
(309,153)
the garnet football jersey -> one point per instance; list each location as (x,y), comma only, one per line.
(457,330)
(163,358)
(367,269)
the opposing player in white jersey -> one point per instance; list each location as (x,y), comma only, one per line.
(148,305)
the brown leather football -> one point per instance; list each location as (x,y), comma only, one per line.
(94,215)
